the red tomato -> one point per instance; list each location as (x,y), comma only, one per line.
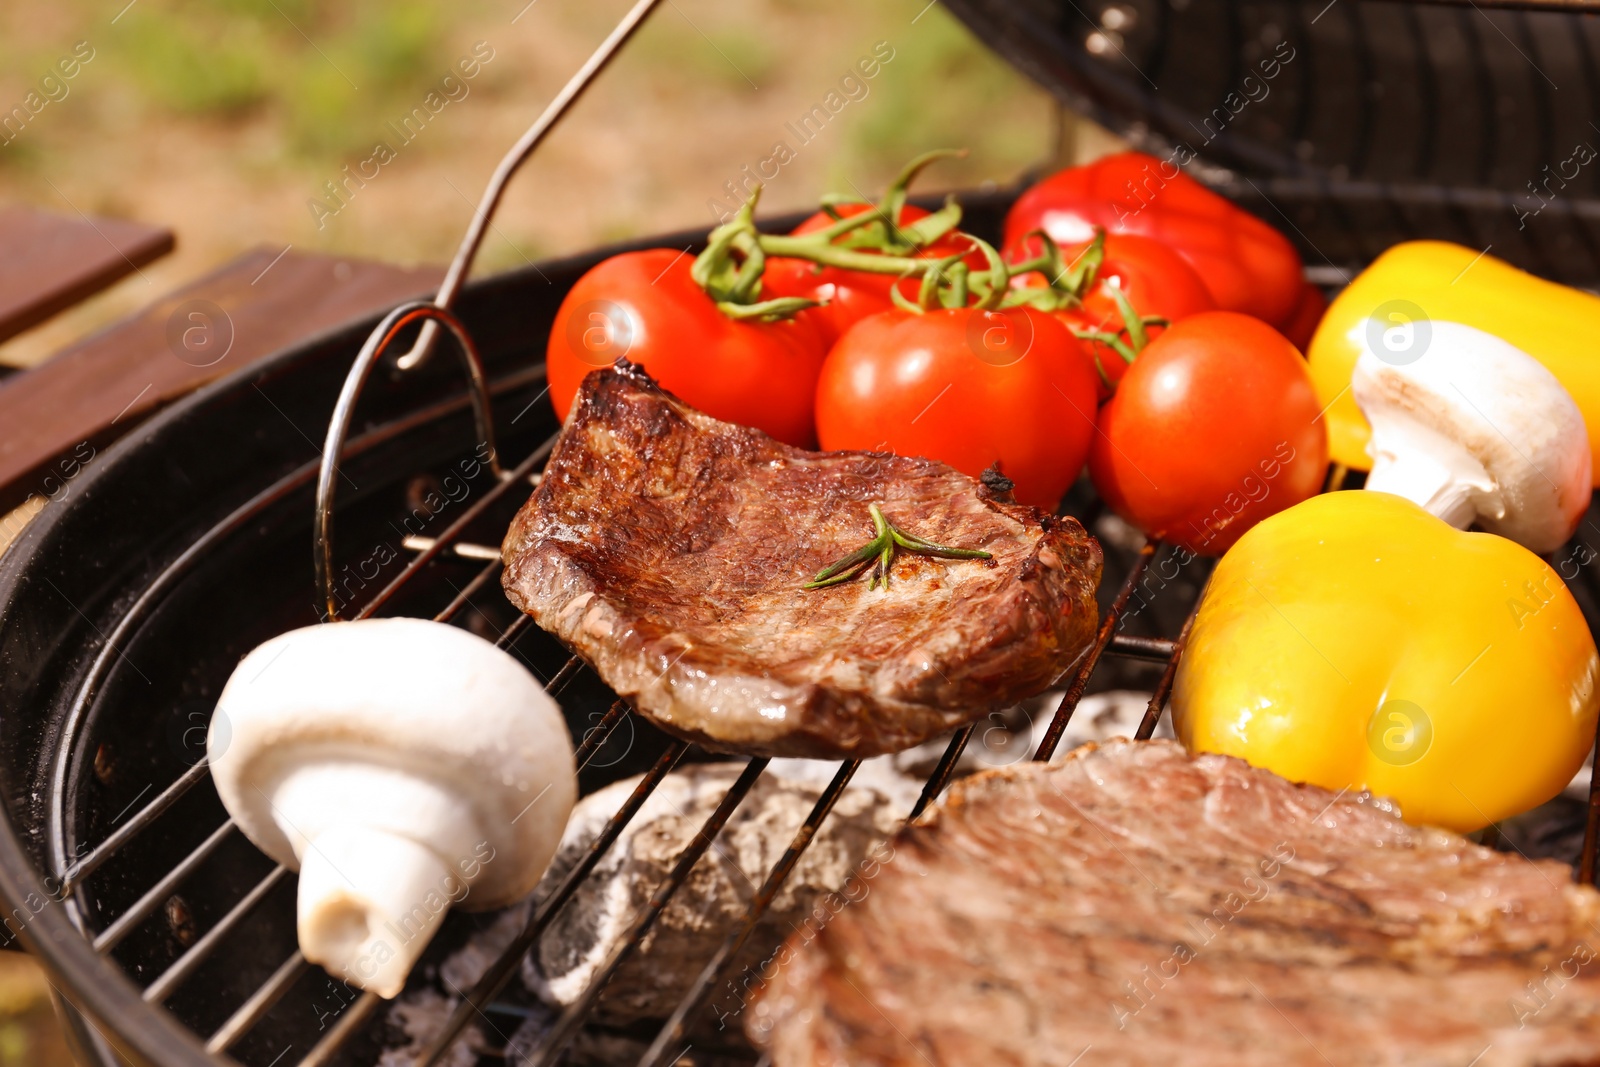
(1247,265)
(1155,279)
(1302,326)
(1214,427)
(967,387)
(850,295)
(645,306)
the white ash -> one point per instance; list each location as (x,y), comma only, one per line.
(421,1013)
(1012,736)
(655,976)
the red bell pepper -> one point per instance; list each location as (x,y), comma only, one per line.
(1302,325)
(1248,266)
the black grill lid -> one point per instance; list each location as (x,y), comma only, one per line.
(1350,124)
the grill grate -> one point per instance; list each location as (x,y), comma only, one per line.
(361,1011)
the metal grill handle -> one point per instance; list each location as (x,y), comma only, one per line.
(344,412)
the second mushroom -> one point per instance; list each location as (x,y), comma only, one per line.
(1473,429)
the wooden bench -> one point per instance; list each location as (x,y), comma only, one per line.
(102,386)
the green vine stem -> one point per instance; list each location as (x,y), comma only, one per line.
(874,240)
(1136,326)
(880,228)
(1068,284)
(734,283)
(877,555)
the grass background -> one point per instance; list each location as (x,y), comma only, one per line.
(225,118)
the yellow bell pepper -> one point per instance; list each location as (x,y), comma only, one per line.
(1355,641)
(1418,281)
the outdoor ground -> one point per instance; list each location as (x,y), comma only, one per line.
(226,119)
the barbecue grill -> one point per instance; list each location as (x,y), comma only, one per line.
(123,610)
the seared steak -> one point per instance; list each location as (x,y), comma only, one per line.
(672,551)
(1155,908)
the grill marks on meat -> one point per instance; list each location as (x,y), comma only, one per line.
(1166,909)
(670,550)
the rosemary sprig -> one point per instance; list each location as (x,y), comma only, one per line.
(887,540)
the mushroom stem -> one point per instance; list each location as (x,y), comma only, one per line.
(1442,477)
(378,850)
(369,903)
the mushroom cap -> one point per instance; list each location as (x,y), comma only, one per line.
(421,725)
(1504,409)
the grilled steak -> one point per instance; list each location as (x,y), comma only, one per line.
(672,551)
(1156,908)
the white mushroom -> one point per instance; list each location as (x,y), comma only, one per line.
(1473,429)
(403,766)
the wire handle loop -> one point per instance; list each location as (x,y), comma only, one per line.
(344,411)
(482,218)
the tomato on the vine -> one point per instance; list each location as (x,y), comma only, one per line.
(1156,281)
(647,307)
(848,296)
(966,386)
(1214,427)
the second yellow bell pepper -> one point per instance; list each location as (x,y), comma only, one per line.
(1420,281)
(1355,641)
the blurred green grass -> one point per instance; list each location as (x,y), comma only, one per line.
(330,74)
(226,118)
(229,59)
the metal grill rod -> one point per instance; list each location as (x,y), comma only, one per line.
(600,732)
(464,549)
(144,817)
(513,631)
(1154,649)
(470,590)
(348,1025)
(566,1027)
(1158,699)
(563,676)
(186,964)
(942,771)
(260,1002)
(1591,827)
(493,980)
(1074,693)
(451,532)
(711,973)
(456,276)
(158,893)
